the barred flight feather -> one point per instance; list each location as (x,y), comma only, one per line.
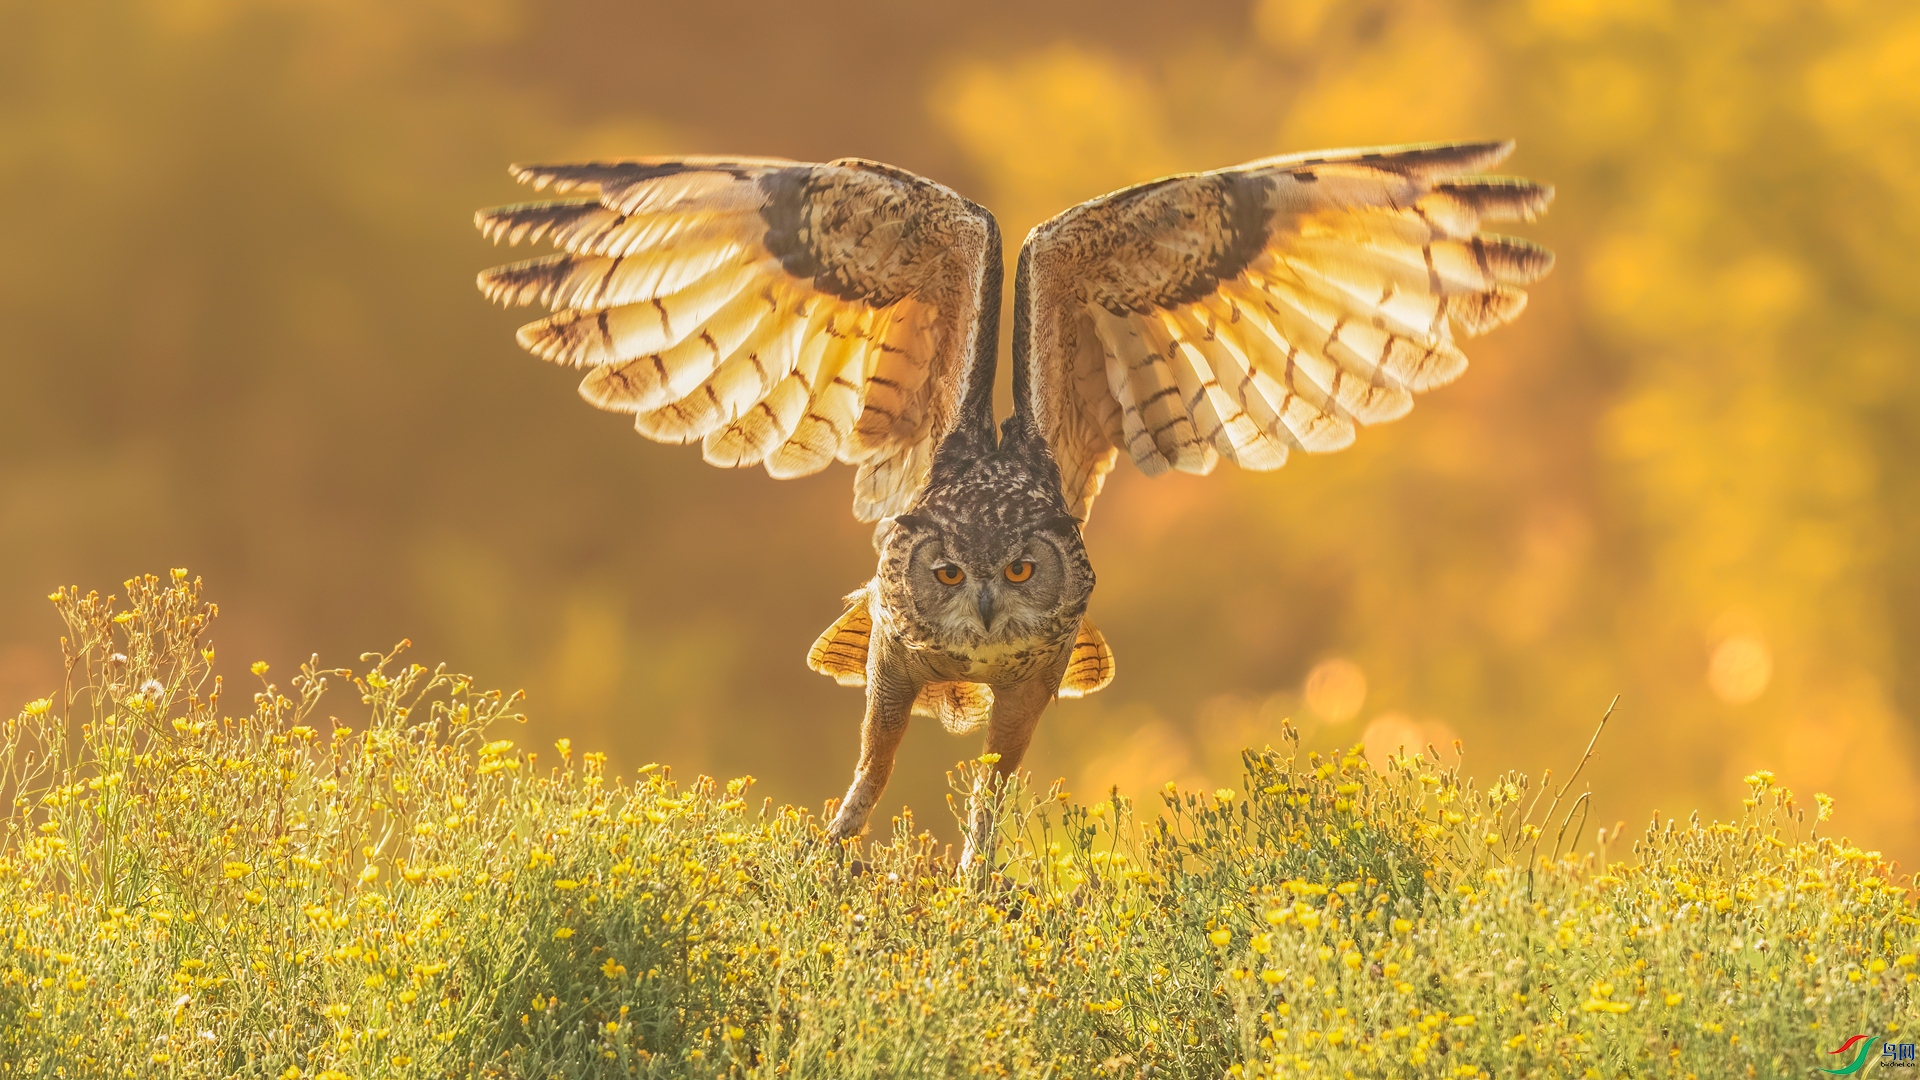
(1090,668)
(778,313)
(841,650)
(1280,304)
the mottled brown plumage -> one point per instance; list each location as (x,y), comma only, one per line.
(788,315)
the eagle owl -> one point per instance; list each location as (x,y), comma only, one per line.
(789,315)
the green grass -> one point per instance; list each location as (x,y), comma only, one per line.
(343,877)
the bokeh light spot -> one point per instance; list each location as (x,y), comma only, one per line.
(1391,734)
(1336,689)
(1740,669)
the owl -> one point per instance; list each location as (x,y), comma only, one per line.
(790,315)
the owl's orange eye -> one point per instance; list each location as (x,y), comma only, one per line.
(1020,570)
(949,574)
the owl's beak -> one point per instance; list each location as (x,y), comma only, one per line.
(986,610)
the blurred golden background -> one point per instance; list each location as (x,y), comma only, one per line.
(236,270)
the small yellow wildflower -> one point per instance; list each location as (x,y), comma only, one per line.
(563,933)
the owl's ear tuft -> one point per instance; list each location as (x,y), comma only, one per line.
(884,528)
(1061,524)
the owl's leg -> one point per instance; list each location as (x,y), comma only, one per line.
(1016,713)
(889,705)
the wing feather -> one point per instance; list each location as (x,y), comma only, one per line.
(1278,305)
(781,314)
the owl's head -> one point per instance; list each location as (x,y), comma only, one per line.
(956,582)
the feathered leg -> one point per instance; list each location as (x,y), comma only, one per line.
(889,705)
(1016,713)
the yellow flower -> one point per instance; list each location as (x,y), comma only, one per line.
(1401,926)
(39,706)
(234,871)
(1672,999)
(563,933)
(1221,937)
(566,884)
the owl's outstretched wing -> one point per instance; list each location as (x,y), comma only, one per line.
(1256,310)
(778,313)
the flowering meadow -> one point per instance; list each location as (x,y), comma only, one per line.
(356,874)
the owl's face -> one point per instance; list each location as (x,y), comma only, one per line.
(958,584)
